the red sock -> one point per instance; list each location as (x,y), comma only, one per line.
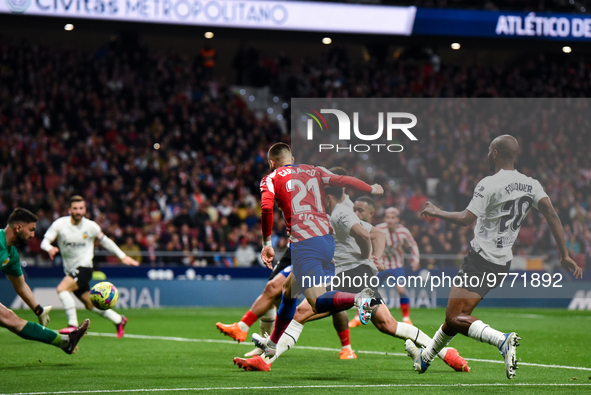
(343,301)
(344,336)
(249,318)
(405,308)
(280,326)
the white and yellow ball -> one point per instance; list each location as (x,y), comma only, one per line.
(104,295)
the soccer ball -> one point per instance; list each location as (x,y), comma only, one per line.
(104,295)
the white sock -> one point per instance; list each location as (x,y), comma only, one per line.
(243,326)
(70,307)
(267,321)
(288,339)
(484,333)
(439,341)
(406,331)
(109,314)
(347,346)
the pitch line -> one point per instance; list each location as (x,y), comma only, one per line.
(287,387)
(397,354)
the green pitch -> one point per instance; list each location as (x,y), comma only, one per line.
(172,354)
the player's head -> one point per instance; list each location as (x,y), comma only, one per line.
(392,217)
(365,208)
(332,196)
(279,155)
(339,171)
(23,223)
(502,151)
(77,207)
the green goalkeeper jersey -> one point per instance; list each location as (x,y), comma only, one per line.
(10,260)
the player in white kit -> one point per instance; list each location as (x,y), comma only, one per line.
(499,206)
(75,239)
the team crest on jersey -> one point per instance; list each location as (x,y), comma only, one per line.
(84,235)
(6,261)
(481,189)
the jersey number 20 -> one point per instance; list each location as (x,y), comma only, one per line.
(517,210)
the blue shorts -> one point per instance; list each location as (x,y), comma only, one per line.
(286,271)
(383,276)
(312,261)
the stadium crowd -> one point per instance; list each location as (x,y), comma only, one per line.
(169,158)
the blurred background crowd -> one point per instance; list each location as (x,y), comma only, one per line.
(169,157)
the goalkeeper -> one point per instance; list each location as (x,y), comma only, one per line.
(20,229)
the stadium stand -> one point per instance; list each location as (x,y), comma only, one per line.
(170,158)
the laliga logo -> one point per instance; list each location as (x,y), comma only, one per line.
(345,129)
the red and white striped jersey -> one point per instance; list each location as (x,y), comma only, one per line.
(395,243)
(299,193)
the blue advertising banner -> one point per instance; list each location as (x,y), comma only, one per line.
(242,292)
(562,27)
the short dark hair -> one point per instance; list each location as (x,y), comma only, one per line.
(21,215)
(339,171)
(279,150)
(337,192)
(75,199)
(367,200)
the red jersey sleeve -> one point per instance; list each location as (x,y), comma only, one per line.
(334,180)
(267,203)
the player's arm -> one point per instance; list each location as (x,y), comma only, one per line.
(49,238)
(112,247)
(547,209)
(378,246)
(24,291)
(362,238)
(334,180)
(267,203)
(463,218)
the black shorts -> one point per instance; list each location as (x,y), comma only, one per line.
(352,281)
(476,266)
(82,276)
(282,264)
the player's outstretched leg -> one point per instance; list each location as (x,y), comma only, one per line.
(334,301)
(383,320)
(33,331)
(458,319)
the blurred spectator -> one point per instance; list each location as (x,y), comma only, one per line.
(245,254)
(132,249)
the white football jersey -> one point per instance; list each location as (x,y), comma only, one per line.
(347,201)
(76,242)
(347,253)
(501,202)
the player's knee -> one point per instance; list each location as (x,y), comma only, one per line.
(272,289)
(301,313)
(452,322)
(313,305)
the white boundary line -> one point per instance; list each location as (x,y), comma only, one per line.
(280,387)
(397,354)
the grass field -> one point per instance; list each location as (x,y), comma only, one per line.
(172,351)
